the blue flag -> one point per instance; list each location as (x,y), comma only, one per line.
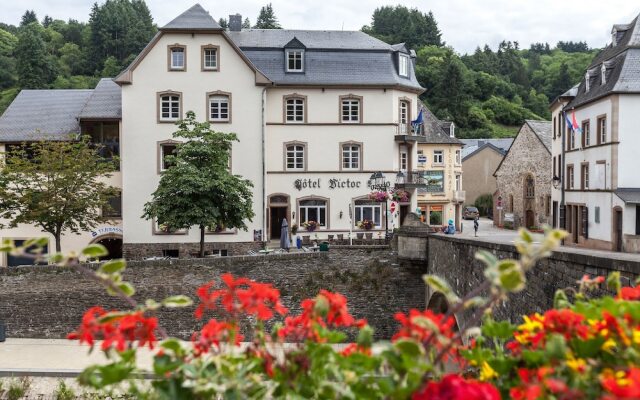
(418,120)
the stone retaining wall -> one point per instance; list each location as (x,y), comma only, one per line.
(48,302)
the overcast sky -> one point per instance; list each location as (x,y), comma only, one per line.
(465,24)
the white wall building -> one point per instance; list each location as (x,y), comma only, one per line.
(596,195)
(316,113)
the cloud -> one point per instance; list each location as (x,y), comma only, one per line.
(465,24)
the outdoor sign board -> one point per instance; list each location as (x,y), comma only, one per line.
(508,217)
(434,181)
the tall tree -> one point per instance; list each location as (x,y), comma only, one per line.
(562,82)
(34,69)
(28,17)
(398,24)
(8,43)
(223,23)
(246,24)
(198,189)
(55,185)
(119,28)
(267,19)
(47,21)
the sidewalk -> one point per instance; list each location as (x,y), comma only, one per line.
(53,357)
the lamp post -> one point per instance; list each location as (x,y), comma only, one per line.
(377,181)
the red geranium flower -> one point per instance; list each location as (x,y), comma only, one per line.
(214,333)
(630,293)
(455,387)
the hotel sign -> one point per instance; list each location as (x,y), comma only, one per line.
(333,183)
(113,230)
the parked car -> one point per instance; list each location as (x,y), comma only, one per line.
(470,213)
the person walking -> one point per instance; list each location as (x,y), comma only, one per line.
(476,225)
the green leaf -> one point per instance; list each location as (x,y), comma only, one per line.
(112,266)
(440,285)
(112,316)
(408,347)
(177,301)
(95,250)
(486,257)
(613,281)
(556,347)
(365,336)
(125,287)
(56,258)
(152,304)
(512,280)
(525,235)
(501,330)
(476,301)
(560,300)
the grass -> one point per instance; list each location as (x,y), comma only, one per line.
(18,388)
(504,131)
(64,392)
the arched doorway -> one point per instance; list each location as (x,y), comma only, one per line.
(113,244)
(439,304)
(278,210)
(529,203)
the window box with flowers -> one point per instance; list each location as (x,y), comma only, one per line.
(366,224)
(310,225)
(379,196)
(400,195)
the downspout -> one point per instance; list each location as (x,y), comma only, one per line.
(264,166)
(563,211)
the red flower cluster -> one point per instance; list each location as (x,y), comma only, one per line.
(630,293)
(413,327)
(536,384)
(326,310)
(455,387)
(534,332)
(241,295)
(214,333)
(121,329)
(353,348)
(622,384)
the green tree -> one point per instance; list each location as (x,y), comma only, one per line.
(47,21)
(55,185)
(198,189)
(111,67)
(28,17)
(223,23)
(267,19)
(119,28)
(71,59)
(8,43)
(399,24)
(246,24)
(563,81)
(34,68)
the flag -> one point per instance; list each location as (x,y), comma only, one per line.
(569,123)
(576,127)
(415,124)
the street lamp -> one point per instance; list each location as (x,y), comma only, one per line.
(377,181)
(400,178)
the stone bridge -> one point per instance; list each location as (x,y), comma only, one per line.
(452,258)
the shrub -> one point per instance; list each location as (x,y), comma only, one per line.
(484,203)
(64,392)
(18,388)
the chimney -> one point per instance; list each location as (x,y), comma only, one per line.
(235,23)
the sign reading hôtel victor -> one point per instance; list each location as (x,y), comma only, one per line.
(333,183)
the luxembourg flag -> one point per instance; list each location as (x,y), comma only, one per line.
(574,122)
(569,123)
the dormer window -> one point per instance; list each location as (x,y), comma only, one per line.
(177,58)
(295,60)
(587,84)
(403,65)
(452,130)
(603,72)
(614,37)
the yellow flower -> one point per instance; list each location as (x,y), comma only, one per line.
(636,336)
(621,378)
(486,372)
(609,344)
(531,325)
(576,364)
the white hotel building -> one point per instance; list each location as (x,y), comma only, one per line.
(596,194)
(316,113)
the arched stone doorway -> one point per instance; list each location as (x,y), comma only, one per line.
(113,243)
(438,304)
(529,196)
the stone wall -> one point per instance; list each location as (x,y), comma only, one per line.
(139,251)
(48,302)
(452,258)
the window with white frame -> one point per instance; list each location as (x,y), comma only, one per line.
(603,74)
(295,156)
(351,156)
(210,58)
(587,82)
(368,210)
(313,210)
(294,110)
(586,134)
(458,182)
(458,157)
(177,61)
(403,65)
(585,176)
(572,140)
(570,178)
(295,60)
(602,130)
(438,157)
(351,110)
(219,108)
(167,149)
(404,159)
(170,107)
(404,117)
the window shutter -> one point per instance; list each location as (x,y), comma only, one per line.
(563,220)
(585,222)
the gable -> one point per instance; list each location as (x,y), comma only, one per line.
(527,153)
(295,44)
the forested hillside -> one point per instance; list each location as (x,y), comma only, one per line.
(488,93)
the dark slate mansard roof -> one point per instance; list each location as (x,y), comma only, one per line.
(543,130)
(56,114)
(195,18)
(473,146)
(434,129)
(622,62)
(331,58)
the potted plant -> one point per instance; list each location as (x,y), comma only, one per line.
(310,225)
(294,229)
(400,195)
(379,196)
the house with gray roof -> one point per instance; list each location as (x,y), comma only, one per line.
(594,158)
(480,158)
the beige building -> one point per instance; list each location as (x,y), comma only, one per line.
(480,159)
(524,179)
(438,176)
(317,114)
